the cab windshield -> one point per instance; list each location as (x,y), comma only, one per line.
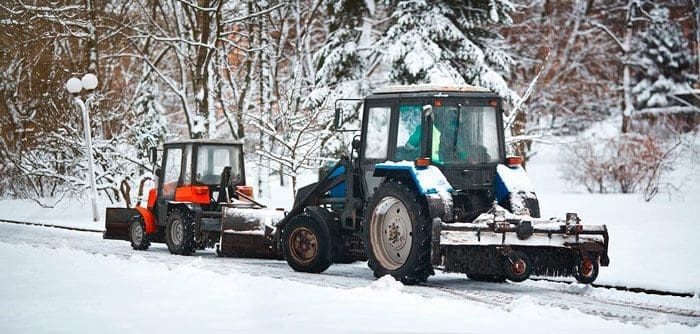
(211,160)
(460,134)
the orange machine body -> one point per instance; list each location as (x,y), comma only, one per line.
(152,198)
(148,219)
(193,194)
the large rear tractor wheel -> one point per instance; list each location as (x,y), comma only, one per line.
(517,266)
(585,269)
(179,233)
(396,234)
(137,234)
(306,244)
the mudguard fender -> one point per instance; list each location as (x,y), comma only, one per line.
(428,181)
(514,191)
(149,220)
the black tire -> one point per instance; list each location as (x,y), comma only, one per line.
(180,240)
(517,266)
(531,204)
(487,278)
(586,269)
(306,245)
(337,242)
(386,259)
(137,234)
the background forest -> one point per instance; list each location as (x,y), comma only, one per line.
(268,72)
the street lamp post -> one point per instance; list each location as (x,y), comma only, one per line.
(74,86)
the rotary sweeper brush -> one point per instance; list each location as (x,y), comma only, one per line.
(428,184)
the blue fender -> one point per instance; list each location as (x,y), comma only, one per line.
(511,180)
(430,183)
(428,180)
(339,190)
(513,189)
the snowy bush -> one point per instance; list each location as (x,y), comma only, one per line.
(626,163)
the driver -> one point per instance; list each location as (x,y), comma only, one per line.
(413,142)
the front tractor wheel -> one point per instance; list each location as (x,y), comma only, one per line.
(517,266)
(397,234)
(137,234)
(585,269)
(179,233)
(306,244)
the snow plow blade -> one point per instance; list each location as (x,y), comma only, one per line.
(551,246)
(247,232)
(117,222)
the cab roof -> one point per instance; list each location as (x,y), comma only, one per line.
(430,88)
(205,141)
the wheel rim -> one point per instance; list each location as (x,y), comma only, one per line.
(176,232)
(518,267)
(303,245)
(136,233)
(391,233)
(586,268)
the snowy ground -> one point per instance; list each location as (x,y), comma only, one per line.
(67,281)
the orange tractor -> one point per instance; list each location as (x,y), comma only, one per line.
(201,201)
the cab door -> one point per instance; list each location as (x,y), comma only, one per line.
(170,178)
(375,140)
(410,132)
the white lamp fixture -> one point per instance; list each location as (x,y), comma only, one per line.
(89,81)
(74,85)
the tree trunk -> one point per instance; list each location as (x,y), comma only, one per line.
(521,147)
(628,108)
(201,70)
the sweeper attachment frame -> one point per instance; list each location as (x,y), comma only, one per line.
(428,185)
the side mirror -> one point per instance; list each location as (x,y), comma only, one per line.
(338,119)
(352,107)
(157,171)
(153,155)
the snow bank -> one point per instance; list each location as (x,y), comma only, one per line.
(67,291)
(69,213)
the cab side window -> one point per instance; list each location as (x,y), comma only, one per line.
(171,171)
(377,133)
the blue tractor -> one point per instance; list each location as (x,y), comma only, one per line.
(428,185)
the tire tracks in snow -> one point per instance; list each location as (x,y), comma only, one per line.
(609,304)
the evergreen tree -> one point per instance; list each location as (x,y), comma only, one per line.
(339,60)
(664,62)
(451,42)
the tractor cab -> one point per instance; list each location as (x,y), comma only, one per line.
(201,172)
(458,129)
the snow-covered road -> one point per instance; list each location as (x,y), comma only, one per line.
(544,304)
